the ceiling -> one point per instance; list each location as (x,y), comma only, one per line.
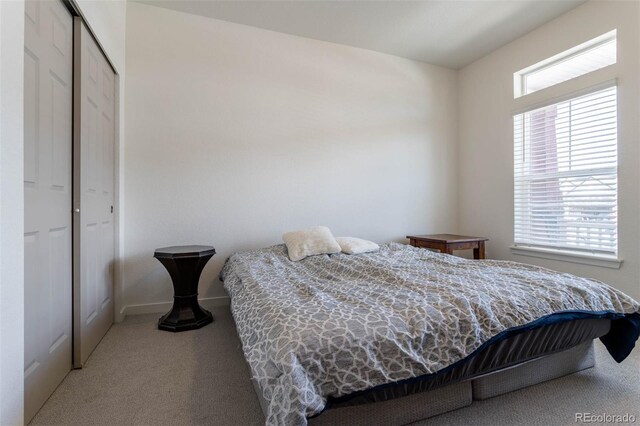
(450,33)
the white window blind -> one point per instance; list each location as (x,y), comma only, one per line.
(565,164)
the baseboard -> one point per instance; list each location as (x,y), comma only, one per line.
(164,307)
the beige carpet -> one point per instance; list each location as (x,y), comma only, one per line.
(139,375)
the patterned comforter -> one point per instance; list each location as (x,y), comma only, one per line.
(331,325)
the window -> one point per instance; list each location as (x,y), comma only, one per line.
(565,183)
(585,58)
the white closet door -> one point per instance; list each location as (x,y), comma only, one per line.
(94,144)
(48,65)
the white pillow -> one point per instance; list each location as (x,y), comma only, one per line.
(351,245)
(310,242)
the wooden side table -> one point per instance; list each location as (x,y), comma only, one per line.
(185,264)
(447,243)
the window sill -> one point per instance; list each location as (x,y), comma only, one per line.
(568,256)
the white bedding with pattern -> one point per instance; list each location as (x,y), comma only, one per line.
(332,325)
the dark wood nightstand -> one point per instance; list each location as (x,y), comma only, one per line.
(184,264)
(447,243)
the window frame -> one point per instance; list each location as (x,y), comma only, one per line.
(520,77)
(575,87)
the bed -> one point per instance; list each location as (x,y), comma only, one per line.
(372,337)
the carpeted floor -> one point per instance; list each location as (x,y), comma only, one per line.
(139,375)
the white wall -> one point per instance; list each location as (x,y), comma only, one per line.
(486,107)
(237,134)
(11,213)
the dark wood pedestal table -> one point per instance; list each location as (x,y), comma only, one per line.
(185,264)
(447,243)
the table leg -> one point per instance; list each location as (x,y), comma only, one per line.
(446,249)
(478,253)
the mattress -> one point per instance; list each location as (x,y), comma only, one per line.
(328,327)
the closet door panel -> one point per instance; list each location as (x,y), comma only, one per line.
(94,248)
(48,66)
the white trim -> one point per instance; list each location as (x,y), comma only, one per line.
(601,260)
(118,205)
(164,307)
(574,88)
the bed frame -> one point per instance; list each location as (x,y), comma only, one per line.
(419,406)
(521,360)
